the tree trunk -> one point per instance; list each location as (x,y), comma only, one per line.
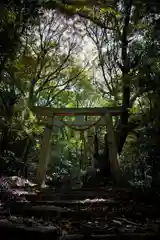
(126,79)
(24,170)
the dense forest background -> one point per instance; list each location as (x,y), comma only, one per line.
(80,54)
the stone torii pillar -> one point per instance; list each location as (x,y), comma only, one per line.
(113,153)
(44,157)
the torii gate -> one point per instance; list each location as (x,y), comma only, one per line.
(48,116)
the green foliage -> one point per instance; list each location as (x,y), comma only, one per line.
(10,164)
(40,65)
(14,19)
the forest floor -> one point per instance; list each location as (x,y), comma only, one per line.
(95,213)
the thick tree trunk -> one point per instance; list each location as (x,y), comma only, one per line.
(124,119)
(125,79)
